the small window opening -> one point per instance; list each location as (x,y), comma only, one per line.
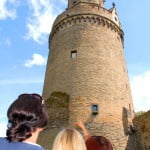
(116,19)
(74,54)
(74,2)
(95,109)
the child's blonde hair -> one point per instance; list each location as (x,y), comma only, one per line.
(69,139)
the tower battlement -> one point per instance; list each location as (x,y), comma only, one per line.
(85,13)
(87,19)
(72,3)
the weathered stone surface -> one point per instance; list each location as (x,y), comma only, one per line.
(142,124)
(97,76)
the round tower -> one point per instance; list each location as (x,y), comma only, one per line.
(86,76)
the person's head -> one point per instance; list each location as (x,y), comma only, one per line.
(69,139)
(98,143)
(25,115)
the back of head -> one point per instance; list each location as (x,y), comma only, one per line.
(98,143)
(25,115)
(69,139)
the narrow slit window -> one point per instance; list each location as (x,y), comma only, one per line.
(74,2)
(95,109)
(116,19)
(74,54)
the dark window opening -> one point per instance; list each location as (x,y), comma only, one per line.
(74,2)
(74,54)
(95,109)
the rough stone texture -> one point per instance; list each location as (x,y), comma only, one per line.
(72,3)
(97,76)
(142,124)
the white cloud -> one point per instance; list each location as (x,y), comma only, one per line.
(5,11)
(140,87)
(40,22)
(3,127)
(8,42)
(64,1)
(2,130)
(37,59)
(20,81)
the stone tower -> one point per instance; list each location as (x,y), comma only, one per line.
(86,76)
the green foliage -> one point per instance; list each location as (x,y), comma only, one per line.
(58,100)
(139,113)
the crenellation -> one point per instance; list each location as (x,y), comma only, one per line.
(92,19)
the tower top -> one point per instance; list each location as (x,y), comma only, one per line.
(72,3)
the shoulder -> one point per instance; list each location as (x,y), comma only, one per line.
(18,145)
(32,146)
(3,140)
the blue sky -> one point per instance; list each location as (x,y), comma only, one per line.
(24,30)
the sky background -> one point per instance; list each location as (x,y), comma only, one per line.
(24,29)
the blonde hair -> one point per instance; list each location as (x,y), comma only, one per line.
(69,139)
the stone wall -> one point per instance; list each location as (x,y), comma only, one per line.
(142,124)
(98,75)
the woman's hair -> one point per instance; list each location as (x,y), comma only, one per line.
(25,115)
(69,139)
(98,143)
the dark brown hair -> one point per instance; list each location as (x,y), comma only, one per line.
(98,143)
(25,115)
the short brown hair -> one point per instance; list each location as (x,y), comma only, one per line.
(98,143)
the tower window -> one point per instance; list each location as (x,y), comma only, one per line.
(95,109)
(74,54)
(116,19)
(74,2)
